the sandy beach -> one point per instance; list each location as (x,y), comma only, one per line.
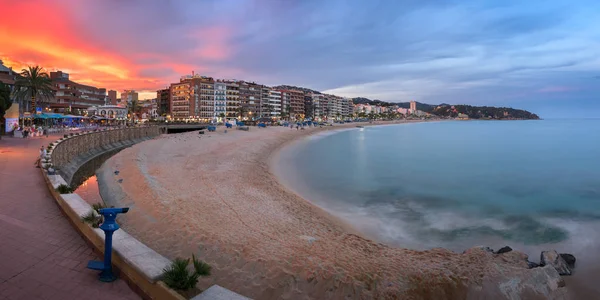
(214,195)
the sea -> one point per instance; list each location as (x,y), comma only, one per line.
(532,185)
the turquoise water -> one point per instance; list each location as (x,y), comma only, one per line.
(457,184)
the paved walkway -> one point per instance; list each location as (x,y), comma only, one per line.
(41,254)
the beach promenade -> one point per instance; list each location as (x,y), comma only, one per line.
(41,254)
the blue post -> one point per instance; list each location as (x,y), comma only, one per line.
(109,226)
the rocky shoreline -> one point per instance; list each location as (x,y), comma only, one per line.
(216,197)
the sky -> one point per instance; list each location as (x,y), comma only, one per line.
(543,56)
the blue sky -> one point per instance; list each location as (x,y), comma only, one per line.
(543,56)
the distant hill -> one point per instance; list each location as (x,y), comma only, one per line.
(447,110)
(484,112)
(296,88)
(420,106)
(442,110)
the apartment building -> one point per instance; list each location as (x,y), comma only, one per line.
(233,99)
(285,104)
(265,107)
(163,102)
(180,94)
(112,97)
(127,96)
(193,97)
(220,102)
(250,95)
(72,96)
(347,108)
(292,103)
(274,106)
(319,103)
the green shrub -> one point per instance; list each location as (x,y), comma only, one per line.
(64,189)
(92,218)
(178,277)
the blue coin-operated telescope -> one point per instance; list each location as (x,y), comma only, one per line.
(109,226)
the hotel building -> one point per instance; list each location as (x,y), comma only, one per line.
(72,96)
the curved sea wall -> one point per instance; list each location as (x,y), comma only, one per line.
(78,156)
(74,151)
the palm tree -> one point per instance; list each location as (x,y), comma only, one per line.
(288,110)
(222,116)
(134,108)
(241,110)
(35,84)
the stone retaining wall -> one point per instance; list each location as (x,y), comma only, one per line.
(74,151)
(141,266)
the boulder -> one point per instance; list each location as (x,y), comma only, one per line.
(552,258)
(569,259)
(504,250)
(532,264)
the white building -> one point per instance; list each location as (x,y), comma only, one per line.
(275,103)
(112,112)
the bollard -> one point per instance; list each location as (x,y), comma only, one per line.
(109,226)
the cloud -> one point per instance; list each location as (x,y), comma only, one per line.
(480,52)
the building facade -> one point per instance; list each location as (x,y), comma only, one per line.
(112,112)
(128,96)
(413,107)
(233,100)
(7,76)
(274,106)
(180,99)
(112,97)
(250,97)
(73,97)
(163,102)
(292,104)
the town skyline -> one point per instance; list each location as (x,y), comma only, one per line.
(475,53)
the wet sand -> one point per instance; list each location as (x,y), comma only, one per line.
(214,195)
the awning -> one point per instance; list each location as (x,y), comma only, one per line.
(48,116)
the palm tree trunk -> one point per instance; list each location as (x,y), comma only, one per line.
(33,104)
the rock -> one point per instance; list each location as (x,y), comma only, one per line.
(517,283)
(504,250)
(532,264)
(569,259)
(552,258)
(116,172)
(120,181)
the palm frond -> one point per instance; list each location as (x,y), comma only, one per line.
(201,268)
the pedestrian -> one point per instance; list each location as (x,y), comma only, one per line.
(39,159)
(46,131)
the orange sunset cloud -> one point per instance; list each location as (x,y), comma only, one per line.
(52,38)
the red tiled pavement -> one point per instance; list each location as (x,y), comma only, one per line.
(41,254)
